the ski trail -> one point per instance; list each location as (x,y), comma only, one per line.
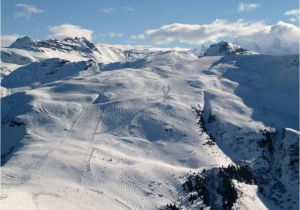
(36,165)
(86,125)
(88,165)
(83,129)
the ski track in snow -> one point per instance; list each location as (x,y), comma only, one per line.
(83,131)
(111,140)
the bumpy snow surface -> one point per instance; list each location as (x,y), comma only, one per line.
(105,127)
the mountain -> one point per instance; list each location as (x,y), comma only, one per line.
(199,51)
(67,44)
(26,50)
(226,48)
(88,126)
(23,42)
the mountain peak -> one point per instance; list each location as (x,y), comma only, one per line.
(226,48)
(67,44)
(81,41)
(22,42)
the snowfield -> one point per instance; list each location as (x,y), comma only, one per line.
(104,127)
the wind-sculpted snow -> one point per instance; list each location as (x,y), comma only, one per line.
(125,133)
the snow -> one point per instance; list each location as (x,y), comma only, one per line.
(108,137)
(22,42)
(226,48)
(249,197)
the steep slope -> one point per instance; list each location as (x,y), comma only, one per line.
(129,134)
(248,115)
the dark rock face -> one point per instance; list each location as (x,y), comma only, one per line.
(68,44)
(281,160)
(213,188)
(225,48)
(275,161)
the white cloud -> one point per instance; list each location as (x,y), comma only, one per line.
(247,6)
(68,30)
(110,9)
(27,10)
(128,8)
(111,34)
(249,34)
(107,10)
(280,38)
(293,14)
(138,37)
(201,34)
(7,40)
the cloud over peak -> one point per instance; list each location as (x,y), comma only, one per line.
(201,34)
(68,30)
(273,39)
(280,38)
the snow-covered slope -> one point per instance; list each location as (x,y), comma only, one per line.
(128,133)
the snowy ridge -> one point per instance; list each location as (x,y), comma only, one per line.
(124,128)
(67,44)
(26,50)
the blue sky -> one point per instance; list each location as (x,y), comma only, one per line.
(116,22)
